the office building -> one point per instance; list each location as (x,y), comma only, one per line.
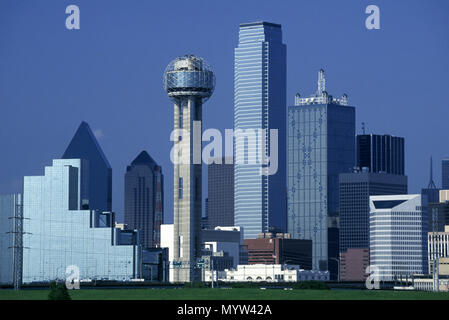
(355,190)
(223,245)
(431,192)
(353,264)
(279,249)
(188,82)
(144,199)
(59,233)
(10,238)
(220,192)
(438,245)
(438,211)
(226,239)
(444,195)
(445,174)
(321,131)
(398,235)
(85,146)
(380,153)
(259,113)
(155,264)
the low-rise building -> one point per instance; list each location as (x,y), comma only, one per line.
(271,248)
(268,273)
(353,264)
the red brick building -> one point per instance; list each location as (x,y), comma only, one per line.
(353,264)
(279,249)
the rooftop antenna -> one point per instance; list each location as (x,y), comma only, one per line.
(321,82)
(431,183)
(363,127)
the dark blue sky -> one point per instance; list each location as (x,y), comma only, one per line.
(109,73)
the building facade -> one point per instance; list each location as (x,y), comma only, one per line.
(445,174)
(398,235)
(269,273)
(85,146)
(259,114)
(321,131)
(220,192)
(144,199)
(380,153)
(280,250)
(353,264)
(58,233)
(355,191)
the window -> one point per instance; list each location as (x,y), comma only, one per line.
(180,188)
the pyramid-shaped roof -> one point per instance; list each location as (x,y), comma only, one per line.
(84,145)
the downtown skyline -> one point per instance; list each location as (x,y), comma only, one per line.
(113,117)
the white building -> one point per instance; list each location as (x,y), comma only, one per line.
(398,235)
(268,273)
(221,242)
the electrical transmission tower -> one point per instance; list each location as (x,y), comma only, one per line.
(17,246)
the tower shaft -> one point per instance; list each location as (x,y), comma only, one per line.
(187,187)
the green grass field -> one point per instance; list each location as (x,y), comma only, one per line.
(225,294)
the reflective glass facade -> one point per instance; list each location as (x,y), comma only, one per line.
(355,190)
(259,103)
(321,145)
(98,187)
(57,233)
(380,153)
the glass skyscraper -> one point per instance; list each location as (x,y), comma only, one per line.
(220,192)
(445,174)
(144,198)
(85,146)
(380,153)
(59,233)
(321,145)
(259,106)
(354,193)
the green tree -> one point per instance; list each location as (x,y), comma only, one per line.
(58,291)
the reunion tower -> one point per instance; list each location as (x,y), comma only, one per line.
(189,81)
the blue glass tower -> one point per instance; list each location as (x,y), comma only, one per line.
(58,233)
(445,174)
(85,146)
(259,106)
(321,145)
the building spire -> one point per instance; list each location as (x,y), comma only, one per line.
(431,182)
(321,82)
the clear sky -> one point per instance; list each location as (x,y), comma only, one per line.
(109,73)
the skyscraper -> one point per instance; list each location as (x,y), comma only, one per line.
(432,192)
(398,235)
(58,232)
(445,174)
(220,192)
(144,198)
(354,193)
(321,134)
(259,107)
(188,81)
(85,146)
(380,153)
